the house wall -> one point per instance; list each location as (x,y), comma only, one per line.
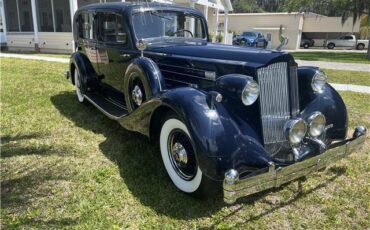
(268,23)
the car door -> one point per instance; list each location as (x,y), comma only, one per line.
(87,37)
(348,41)
(114,50)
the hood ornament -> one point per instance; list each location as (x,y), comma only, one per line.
(141,45)
(283,39)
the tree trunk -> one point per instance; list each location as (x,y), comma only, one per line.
(368,50)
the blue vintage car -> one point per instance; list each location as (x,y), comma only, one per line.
(250,39)
(241,120)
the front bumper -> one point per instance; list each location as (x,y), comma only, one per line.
(275,177)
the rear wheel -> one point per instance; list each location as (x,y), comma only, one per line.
(77,78)
(179,158)
(306,46)
(360,46)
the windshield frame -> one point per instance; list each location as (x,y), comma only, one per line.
(170,40)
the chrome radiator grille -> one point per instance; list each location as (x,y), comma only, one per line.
(278,102)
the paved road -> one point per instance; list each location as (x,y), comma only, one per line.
(353,88)
(35,57)
(327,50)
(338,65)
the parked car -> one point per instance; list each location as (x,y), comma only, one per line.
(306,42)
(347,41)
(241,119)
(250,39)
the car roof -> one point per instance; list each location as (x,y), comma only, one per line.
(129,7)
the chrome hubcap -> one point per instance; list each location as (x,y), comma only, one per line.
(179,154)
(137,95)
(182,155)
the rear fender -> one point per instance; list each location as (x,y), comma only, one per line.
(87,73)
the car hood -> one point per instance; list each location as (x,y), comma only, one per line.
(235,54)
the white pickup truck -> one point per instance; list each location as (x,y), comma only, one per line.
(347,41)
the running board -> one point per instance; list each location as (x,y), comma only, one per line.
(106,106)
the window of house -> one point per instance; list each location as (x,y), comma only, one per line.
(18,15)
(54,16)
(62,16)
(111,28)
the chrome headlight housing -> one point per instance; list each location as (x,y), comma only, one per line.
(318,81)
(250,92)
(295,130)
(316,124)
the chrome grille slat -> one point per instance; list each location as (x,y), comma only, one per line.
(275,103)
(294,90)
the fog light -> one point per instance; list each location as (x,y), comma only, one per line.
(295,130)
(316,124)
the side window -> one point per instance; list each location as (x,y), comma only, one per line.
(86,26)
(111,28)
(348,37)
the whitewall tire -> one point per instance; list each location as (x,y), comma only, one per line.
(178,155)
(80,95)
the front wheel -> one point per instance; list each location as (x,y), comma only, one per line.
(306,46)
(331,46)
(179,158)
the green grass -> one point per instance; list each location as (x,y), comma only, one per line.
(65,165)
(348,77)
(332,57)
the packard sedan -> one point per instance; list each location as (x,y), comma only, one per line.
(225,117)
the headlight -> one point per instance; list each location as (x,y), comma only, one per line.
(319,81)
(316,124)
(250,92)
(295,130)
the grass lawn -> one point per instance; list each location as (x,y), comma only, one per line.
(332,56)
(348,77)
(64,164)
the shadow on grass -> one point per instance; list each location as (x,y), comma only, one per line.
(140,164)
(19,145)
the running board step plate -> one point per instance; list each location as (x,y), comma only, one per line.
(110,109)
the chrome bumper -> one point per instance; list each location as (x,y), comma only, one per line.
(275,177)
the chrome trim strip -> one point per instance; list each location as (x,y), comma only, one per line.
(275,177)
(102,110)
(221,61)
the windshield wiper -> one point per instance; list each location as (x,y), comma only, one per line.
(158,15)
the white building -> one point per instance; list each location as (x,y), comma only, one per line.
(45,25)
(314,26)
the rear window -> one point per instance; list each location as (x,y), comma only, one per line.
(86,26)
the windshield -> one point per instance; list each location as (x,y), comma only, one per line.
(249,34)
(168,25)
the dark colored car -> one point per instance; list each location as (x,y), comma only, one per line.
(241,119)
(250,39)
(307,42)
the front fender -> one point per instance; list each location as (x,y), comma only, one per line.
(221,142)
(329,103)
